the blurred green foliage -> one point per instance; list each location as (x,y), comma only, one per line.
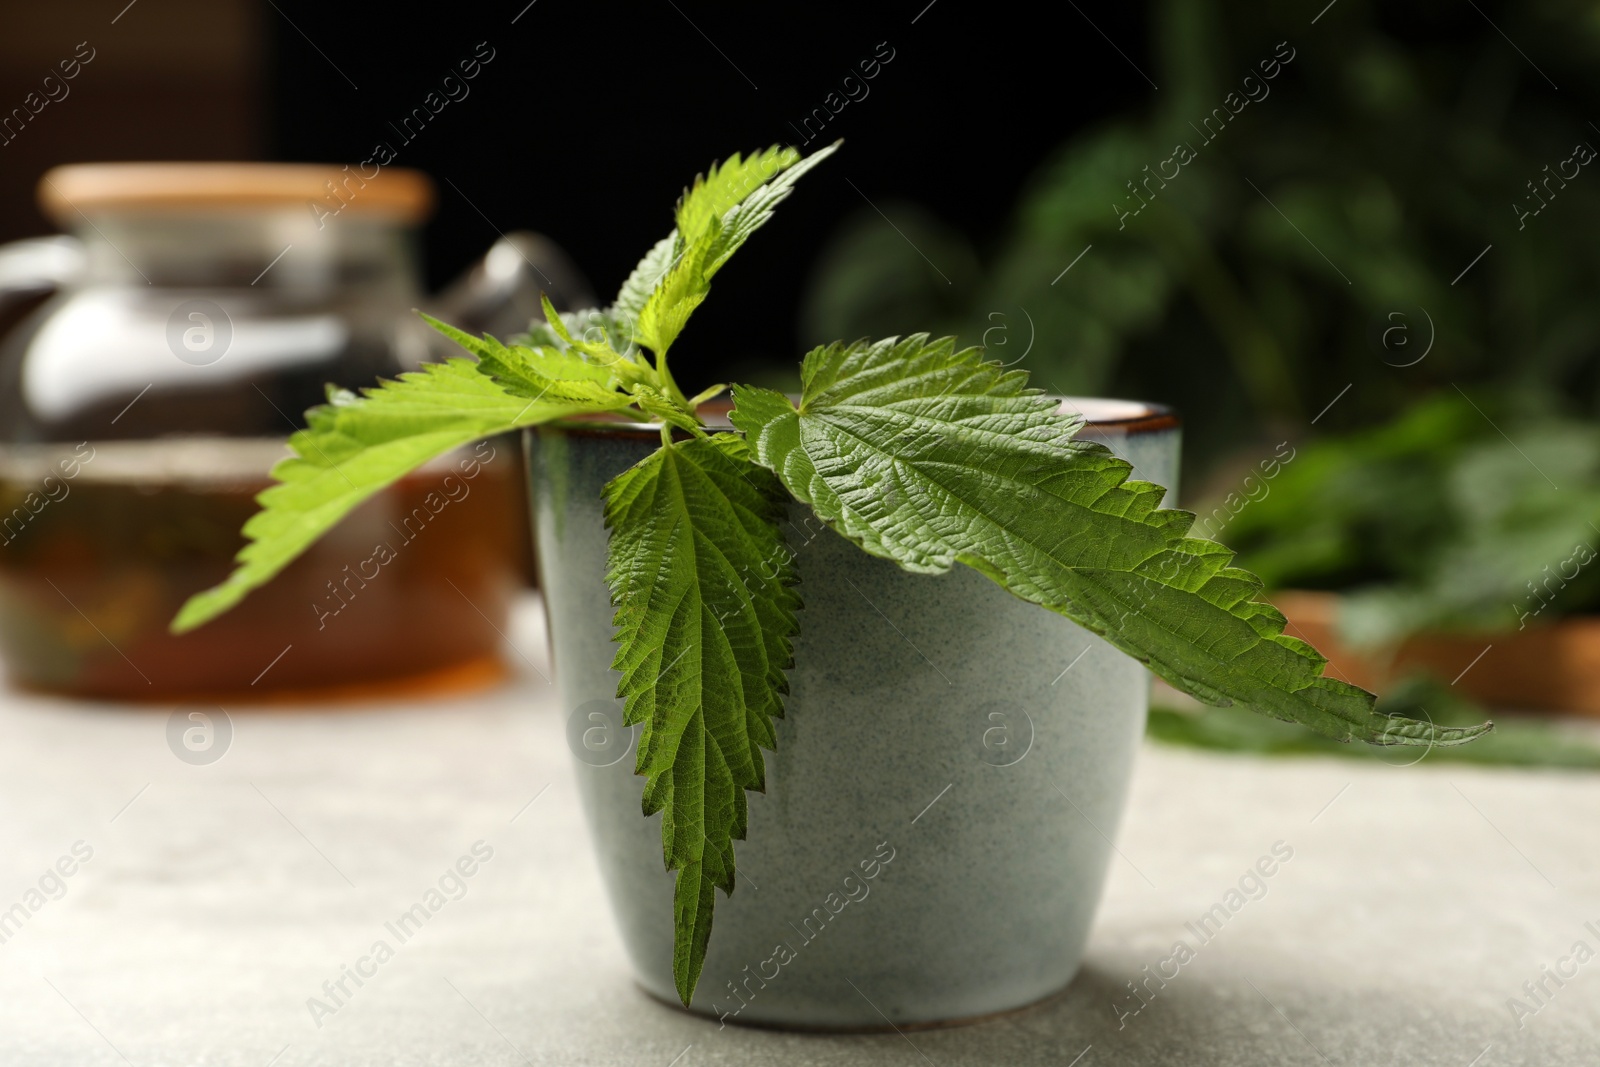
(1353,186)
(1436,520)
(1518,742)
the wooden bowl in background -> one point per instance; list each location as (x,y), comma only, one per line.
(1549,668)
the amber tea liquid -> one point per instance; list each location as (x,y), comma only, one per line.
(101,543)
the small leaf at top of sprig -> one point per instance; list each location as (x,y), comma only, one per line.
(725,184)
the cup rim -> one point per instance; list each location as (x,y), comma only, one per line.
(1100,413)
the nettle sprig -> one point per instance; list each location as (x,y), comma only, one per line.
(916,451)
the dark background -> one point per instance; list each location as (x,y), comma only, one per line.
(591,117)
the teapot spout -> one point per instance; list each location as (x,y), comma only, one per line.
(499,294)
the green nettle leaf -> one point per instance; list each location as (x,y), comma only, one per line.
(931,457)
(663,409)
(589,328)
(753,211)
(642,282)
(527,371)
(725,184)
(355,446)
(701,580)
(715,218)
(680,291)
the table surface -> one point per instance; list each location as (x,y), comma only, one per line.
(219,898)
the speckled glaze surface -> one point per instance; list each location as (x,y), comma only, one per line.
(950,769)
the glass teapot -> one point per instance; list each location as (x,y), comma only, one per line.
(197,311)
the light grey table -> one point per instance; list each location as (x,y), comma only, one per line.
(218,899)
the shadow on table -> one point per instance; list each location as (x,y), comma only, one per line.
(1284,1016)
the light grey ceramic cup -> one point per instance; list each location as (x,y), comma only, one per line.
(950,768)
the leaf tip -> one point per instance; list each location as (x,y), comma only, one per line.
(198,610)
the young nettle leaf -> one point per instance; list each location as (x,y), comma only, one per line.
(594,349)
(680,291)
(642,282)
(596,330)
(721,188)
(523,370)
(356,445)
(931,457)
(664,409)
(753,212)
(701,580)
(715,218)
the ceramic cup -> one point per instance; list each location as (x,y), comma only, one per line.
(951,767)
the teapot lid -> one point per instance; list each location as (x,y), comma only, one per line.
(395,192)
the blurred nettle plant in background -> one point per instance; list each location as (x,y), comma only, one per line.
(1287,215)
(1435,521)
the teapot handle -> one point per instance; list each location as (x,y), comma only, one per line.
(36,265)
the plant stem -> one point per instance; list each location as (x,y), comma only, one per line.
(705,394)
(670,386)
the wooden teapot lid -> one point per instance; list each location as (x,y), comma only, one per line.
(66,191)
